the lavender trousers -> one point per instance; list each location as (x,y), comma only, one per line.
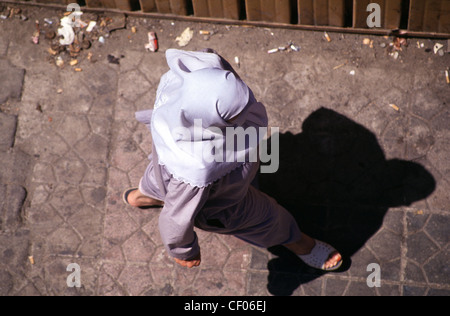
(231,205)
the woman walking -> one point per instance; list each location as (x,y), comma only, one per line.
(204,179)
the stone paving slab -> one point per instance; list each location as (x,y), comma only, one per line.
(354,171)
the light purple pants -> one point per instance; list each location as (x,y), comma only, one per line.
(230,205)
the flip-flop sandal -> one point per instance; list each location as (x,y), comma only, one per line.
(125,200)
(319,256)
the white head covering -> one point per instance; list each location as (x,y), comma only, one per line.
(194,101)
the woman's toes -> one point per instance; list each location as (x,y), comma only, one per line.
(333,260)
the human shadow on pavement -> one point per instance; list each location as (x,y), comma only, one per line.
(335,180)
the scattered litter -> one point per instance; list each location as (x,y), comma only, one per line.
(52,52)
(59,62)
(55,49)
(394,55)
(327,36)
(113,60)
(68,35)
(394,107)
(74,49)
(80,23)
(419,212)
(341,65)
(115,22)
(66,31)
(59,91)
(31,259)
(295,48)
(267,29)
(383,45)
(289,47)
(237,61)
(152,45)
(206,34)
(49,34)
(91,26)
(185,37)
(368,42)
(399,42)
(352,72)
(35,37)
(15,13)
(438,49)
(447,76)
(133,29)
(36,34)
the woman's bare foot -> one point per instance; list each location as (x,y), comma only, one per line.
(137,199)
(306,244)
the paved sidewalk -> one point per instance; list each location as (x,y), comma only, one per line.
(364,151)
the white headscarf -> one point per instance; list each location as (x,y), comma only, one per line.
(194,102)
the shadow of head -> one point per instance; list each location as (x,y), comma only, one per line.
(336,182)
